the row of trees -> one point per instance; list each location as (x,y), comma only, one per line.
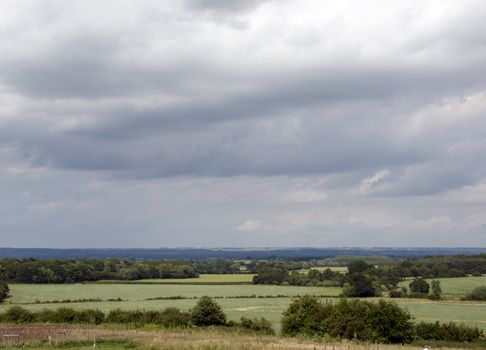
(74,271)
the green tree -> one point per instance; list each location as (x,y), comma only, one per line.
(360,286)
(207,313)
(419,285)
(436,289)
(4,290)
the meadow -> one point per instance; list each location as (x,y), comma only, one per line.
(237,300)
(456,287)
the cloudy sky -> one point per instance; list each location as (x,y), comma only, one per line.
(243,123)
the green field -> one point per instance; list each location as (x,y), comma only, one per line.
(205,279)
(456,286)
(134,297)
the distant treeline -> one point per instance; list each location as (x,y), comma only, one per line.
(276,271)
(231,254)
(371,278)
(75,271)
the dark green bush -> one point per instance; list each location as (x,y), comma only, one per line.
(478,294)
(17,314)
(207,313)
(448,331)
(304,316)
(258,325)
(172,317)
(356,319)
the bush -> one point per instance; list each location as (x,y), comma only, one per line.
(172,317)
(17,314)
(207,313)
(478,294)
(258,325)
(304,316)
(356,319)
(448,332)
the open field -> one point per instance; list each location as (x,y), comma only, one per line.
(30,293)
(240,278)
(456,286)
(269,307)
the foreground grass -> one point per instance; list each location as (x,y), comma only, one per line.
(203,339)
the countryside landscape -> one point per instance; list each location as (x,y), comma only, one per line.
(243,174)
(255,298)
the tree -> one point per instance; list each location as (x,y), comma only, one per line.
(4,290)
(207,313)
(419,285)
(358,266)
(436,289)
(360,286)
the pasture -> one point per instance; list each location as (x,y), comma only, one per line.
(236,300)
(455,287)
(242,278)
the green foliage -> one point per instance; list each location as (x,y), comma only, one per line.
(356,319)
(4,290)
(304,316)
(207,313)
(270,273)
(17,314)
(361,286)
(448,332)
(478,294)
(419,285)
(258,325)
(436,289)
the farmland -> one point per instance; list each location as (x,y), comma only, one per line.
(236,300)
(456,287)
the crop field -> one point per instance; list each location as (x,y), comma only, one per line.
(456,286)
(341,269)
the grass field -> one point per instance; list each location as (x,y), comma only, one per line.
(456,286)
(205,279)
(271,308)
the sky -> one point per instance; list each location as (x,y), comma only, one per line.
(242,123)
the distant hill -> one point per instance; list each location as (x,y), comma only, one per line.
(228,253)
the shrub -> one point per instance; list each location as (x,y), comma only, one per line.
(448,332)
(356,319)
(172,317)
(207,313)
(478,294)
(304,316)
(17,314)
(258,325)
